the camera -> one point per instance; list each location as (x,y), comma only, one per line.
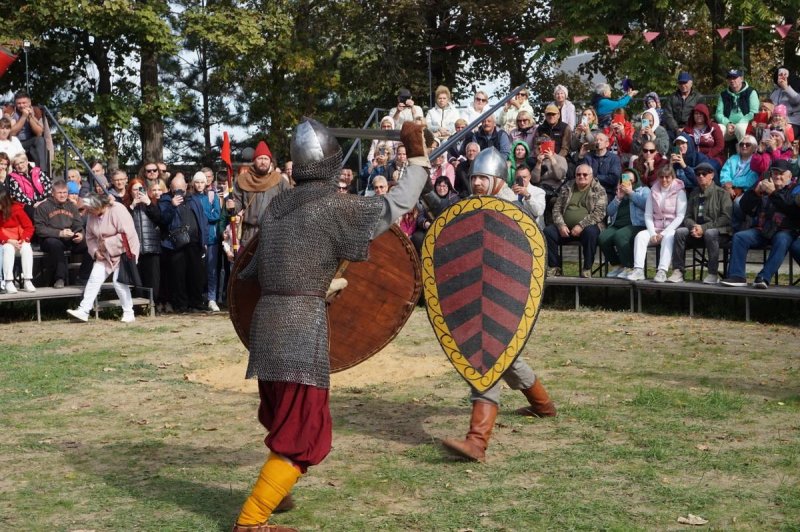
(180,192)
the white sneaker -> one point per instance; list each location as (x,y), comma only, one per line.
(78,314)
(676,277)
(616,272)
(711,278)
(128,317)
(636,275)
(28,286)
(661,276)
(625,273)
(11,287)
(213,307)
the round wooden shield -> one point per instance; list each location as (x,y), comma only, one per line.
(380,295)
(483,266)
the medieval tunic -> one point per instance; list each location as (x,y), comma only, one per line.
(304,234)
(253,194)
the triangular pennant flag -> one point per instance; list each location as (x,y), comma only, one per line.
(549,39)
(6,58)
(723,32)
(746,27)
(478,42)
(451,46)
(513,39)
(579,38)
(650,36)
(783,30)
(613,41)
(691,33)
(225,151)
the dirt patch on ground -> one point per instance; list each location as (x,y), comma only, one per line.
(390,365)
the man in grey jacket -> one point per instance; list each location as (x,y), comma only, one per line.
(678,107)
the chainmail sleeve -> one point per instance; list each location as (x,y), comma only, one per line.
(402,198)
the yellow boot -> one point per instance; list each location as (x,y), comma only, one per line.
(275,481)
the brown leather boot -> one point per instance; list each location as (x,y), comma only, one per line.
(286,504)
(480,429)
(541,405)
(262,528)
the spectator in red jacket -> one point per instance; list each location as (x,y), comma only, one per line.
(16,230)
(707,134)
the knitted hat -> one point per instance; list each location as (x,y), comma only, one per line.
(779,110)
(778,133)
(262,149)
(199,176)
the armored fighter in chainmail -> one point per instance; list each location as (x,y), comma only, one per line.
(304,234)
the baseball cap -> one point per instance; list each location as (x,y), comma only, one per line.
(683,77)
(681,138)
(781,164)
(733,73)
(704,166)
(551,108)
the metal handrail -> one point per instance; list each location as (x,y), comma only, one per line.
(69,145)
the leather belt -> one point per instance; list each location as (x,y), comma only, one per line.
(312,293)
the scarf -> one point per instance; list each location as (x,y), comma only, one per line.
(250,182)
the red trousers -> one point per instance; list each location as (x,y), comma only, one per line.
(298,419)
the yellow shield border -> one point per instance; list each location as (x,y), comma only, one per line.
(482,382)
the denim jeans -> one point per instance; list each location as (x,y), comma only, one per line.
(745,240)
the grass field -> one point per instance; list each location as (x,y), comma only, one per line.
(151,427)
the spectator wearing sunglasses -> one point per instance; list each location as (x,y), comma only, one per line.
(508,116)
(707,223)
(648,163)
(740,172)
(476,108)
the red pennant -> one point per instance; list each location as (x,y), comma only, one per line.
(783,30)
(450,46)
(579,38)
(225,152)
(723,32)
(6,58)
(549,39)
(511,39)
(650,36)
(746,27)
(478,42)
(613,41)
(691,33)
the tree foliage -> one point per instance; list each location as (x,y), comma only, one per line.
(123,72)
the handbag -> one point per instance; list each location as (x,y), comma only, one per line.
(128,272)
(179,237)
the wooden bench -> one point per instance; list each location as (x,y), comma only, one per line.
(46,292)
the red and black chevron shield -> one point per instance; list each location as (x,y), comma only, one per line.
(483,264)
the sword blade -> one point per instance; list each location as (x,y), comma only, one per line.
(371,134)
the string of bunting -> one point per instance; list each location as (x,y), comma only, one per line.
(615,39)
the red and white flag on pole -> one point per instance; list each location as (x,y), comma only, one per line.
(6,58)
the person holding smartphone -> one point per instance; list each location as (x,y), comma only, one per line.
(147,221)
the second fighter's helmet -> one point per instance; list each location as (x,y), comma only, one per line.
(316,154)
(491,163)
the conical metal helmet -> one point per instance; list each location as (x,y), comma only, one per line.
(315,153)
(489,162)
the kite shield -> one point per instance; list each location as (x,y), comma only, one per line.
(483,268)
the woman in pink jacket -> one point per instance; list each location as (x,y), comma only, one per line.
(663,214)
(105,227)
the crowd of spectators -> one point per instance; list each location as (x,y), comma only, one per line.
(676,174)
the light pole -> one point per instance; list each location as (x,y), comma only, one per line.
(26,45)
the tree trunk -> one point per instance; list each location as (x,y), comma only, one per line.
(151,125)
(98,53)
